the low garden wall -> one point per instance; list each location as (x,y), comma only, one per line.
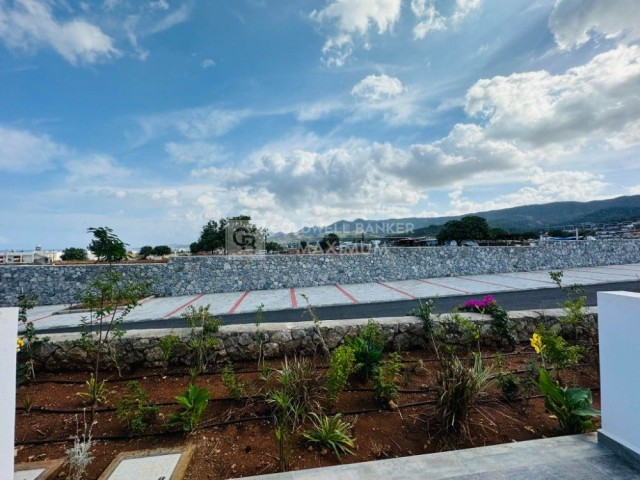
(60,284)
(141,349)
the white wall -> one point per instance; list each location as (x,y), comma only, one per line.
(8,335)
(619,328)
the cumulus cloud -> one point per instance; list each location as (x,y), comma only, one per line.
(587,103)
(30,25)
(574,22)
(352,20)
(431,20)
(377,87)
(22,151)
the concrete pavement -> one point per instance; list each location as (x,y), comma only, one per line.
(55,316)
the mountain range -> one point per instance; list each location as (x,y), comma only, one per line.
(515,219)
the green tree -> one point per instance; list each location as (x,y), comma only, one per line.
(162,250)
(273,247)
(145,251)
(74,254)
(213,234)
(471,227)
(106,245)
(499,234)
(330,242)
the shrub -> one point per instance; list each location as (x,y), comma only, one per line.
(509,385)
(456,324)
(332,433)
(367,347)
(74,254)
(166,344)
(161,250)
(554,349)
(501,325)
(385,378)
(236,388)
(96,392)
(571,406)
(458,390)
(202,336)
(132,409)
(302,383)
(342,364)
(194,403)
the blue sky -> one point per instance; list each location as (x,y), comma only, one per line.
(152,117)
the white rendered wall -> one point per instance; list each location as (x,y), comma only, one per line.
(619,328)
(8,335)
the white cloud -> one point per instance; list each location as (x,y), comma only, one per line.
(30,25)
(207,63)
(377,87)
(195,152)
(545,187)
(431,20)
(586,104)
(574,22)
(353,19)
(194,123)
(22,151)
(159,4)
(176,17)
(95,166)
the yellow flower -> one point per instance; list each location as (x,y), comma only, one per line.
(19,344)
(536,343)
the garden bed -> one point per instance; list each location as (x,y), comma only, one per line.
(236,437)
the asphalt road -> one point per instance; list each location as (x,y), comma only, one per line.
(518,300)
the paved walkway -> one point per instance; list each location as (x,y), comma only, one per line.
(54,316)
(561,458)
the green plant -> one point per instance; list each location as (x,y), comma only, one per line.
(332,433)
(302,382)
(132,409)
(571,406)
(367,347)
(74,254)
(166,344)
(106,245)
(554,349)
(501,324)
(385,378)
(458,389)
(424,311)
(259,335)
(457,325)
(509,385)
(236,388)
(194,403)
(109,300)
(342,364)
(203,333)
(96,392)
(317,323)
(31,342)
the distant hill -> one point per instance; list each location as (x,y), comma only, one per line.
(515,219)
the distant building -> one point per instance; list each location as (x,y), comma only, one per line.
(34,257)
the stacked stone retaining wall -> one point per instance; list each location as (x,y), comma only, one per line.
(60,284)
(141,349)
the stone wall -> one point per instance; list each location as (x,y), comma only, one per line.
(141,349)
(215,274)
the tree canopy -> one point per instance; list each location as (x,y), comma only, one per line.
(106,245)
(330,242)
(212,236)
(467,228)
(74,254)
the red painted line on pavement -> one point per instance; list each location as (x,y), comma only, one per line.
(292,294)
(239,301)
(346,294)
(184,306)
(396,289)
(443,286)
(484,281)
(42,318)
